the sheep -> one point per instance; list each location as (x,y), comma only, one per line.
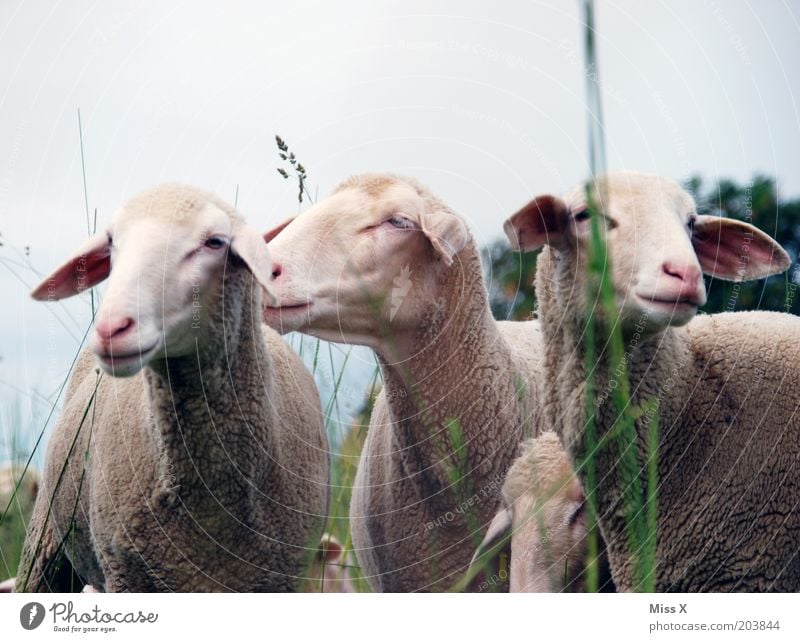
(543,525)
(194,457)
(330,569)
(727,385)
(19,485)
(384,263)
(19,480)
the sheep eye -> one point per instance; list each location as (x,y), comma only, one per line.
(576,514)
(401,223)
(690,224)
(582,215)
(215,243)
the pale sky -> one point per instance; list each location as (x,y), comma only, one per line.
(482,101)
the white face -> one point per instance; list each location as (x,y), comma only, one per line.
(338,264)
(549,541)
(164,277)
(648,228)
(658,245)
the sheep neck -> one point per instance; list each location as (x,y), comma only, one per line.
(658,367)
(439,381)
(209,430)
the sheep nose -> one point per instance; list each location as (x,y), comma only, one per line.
(688,274)
(277,270)
(114,328)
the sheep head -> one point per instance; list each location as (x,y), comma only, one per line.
(658,245)
(164,255)
(544,515)
(343,266)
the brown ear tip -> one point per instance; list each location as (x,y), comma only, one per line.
(511,234)
(784,260)
(780,261)
(39,293)
(545,201)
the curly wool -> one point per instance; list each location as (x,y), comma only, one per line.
(729,450)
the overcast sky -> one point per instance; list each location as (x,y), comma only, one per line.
(482,101)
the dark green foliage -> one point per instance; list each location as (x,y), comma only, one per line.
(510,280)
(15,511)
(756,203)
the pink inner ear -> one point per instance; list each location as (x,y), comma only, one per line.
(333,551)
(540,222)
(79,273)
(716,257)
(735,251)
(271,234)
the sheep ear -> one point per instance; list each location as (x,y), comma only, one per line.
(250,247)
(446,232)
(541,222)
(271,234)
(490,564)
(90,265)
(736,251)
(330,549)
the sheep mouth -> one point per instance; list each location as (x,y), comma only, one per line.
(286,318)
(287,308)
(118,359)
(675,303)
